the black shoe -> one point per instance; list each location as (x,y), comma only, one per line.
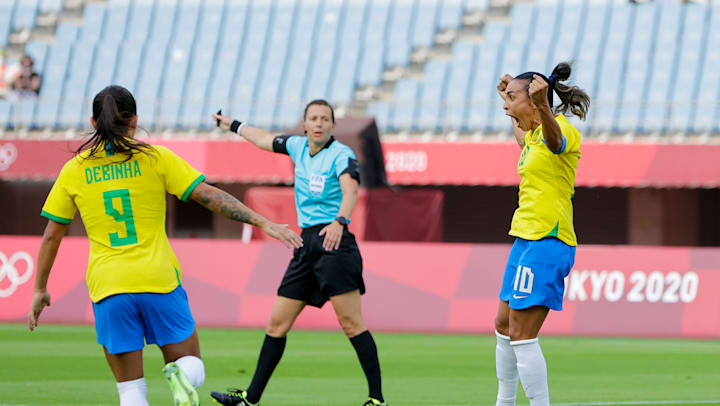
(233,397)
(374,402)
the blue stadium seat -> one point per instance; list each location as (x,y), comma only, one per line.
(245,83)
(192,109)
(477,5)
(523,18)
(76,86)
(450,15)
(610,71)
(586,68)
(6,8)
(687,79)
(56,69)
(568,40)
(5,113)
(425,23)
(345,75)
(354,20)
(128,67)
(173,85)
(406,95)
(163,22)
(399,42)
(103,71)
(381,111)
(139,22)
(708,94)
(458,90)
(25,113)
(484,82)
(433,95)
(494,32)
(48,6)
(149,81)
(227,59)
(538,57)
(24,14)
(66,33)
(324,57)
(93,22)
(371,64)
(290,105)
(661,78)
(343,81)
(274,67)
(188,16)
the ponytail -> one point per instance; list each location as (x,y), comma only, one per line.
(571,97)
(113,110)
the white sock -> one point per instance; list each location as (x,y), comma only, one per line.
(533,371)
(193,368)
(507,372)
(133,393)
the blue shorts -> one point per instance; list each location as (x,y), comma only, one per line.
(535,273)
(124,322)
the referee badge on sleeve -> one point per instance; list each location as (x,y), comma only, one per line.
(317,184)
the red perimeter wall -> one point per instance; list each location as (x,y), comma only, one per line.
(428,287)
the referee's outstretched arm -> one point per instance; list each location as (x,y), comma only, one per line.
(261,138)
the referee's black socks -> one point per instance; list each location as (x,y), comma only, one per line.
(272,351)
(367,353)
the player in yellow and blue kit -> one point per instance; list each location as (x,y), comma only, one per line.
(119,186)
(329,265)
(544,248)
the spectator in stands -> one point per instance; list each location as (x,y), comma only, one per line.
(27,82)
(7,75)
(329,265)
(119,185)
(544,248)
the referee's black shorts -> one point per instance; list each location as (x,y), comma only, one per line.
(315,275)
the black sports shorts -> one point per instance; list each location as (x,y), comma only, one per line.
(314,275)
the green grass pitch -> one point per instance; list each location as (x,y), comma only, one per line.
(63,365)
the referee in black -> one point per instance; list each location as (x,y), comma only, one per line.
(328,266)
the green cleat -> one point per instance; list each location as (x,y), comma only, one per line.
(374,402)
(184,394)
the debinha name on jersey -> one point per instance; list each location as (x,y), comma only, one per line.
(114,171)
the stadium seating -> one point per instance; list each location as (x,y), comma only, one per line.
(648,67)
(641,77)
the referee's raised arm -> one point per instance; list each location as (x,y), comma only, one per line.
(261,138)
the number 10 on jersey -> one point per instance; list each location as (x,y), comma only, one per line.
(126,216)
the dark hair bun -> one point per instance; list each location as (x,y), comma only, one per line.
(562,71)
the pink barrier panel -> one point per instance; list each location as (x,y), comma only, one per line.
(612,290)
(409,163)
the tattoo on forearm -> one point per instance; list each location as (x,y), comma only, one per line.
(223,203)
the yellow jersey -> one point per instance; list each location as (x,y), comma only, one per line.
(122,204)
(547,186)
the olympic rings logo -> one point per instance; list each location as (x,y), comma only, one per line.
(8,154)
(9,271)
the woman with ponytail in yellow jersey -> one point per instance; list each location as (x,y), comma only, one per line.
(544,248)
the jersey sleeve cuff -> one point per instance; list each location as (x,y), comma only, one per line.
(192,187)
(564,145)
(54,218)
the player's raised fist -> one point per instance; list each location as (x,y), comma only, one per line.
(503,85)
(538,91)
